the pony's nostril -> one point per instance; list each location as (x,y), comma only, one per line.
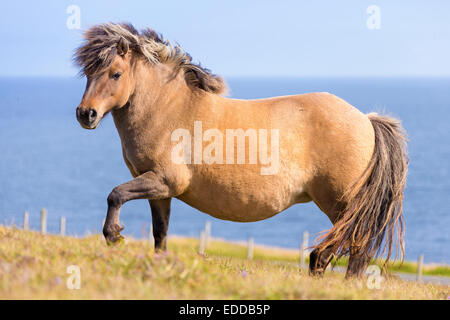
(92,114)
(87,117)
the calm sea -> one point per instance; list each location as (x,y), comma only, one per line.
(47,160)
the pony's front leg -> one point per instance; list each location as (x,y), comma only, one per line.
(146,186)
(160,222)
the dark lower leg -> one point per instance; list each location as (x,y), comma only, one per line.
(160,222)
(112,228)
(357,264)
(147,186)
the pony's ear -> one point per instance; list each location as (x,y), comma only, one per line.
(122,46)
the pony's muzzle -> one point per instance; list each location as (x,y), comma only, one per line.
(87,117)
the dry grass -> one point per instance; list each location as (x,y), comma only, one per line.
(34,266)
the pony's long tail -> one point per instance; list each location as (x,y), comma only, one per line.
(372,213)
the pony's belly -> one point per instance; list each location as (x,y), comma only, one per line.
(240,218)
(246,213)
(259,204)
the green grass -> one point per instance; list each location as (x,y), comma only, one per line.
(223,248)
(34,266)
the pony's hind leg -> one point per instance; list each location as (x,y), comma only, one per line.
(318,262)
(357,264)
(160,222)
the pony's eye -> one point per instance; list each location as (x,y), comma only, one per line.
(116,75)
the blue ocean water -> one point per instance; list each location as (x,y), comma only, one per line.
(47,160)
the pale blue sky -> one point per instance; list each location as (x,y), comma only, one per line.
(244,38)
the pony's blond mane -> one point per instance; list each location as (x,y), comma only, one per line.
(100,47)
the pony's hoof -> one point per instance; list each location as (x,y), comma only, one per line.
(113,236)
(317,273)
(160,255)
(115,241)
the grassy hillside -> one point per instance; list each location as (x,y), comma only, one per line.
(34,266)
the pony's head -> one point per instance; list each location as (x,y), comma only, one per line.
(107,58)
(107,90)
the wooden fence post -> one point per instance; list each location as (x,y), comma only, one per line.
(303,248)
(150,235)
(207,233)
(43,221)
(62,226)
(26,221)
(420,268)
(250,246)
(201,248)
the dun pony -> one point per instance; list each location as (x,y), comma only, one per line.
(351,165)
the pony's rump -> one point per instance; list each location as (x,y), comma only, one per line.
(372,210)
